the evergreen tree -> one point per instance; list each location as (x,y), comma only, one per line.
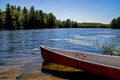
(8,20)
(118,23)
(74,24)
(18,8)
(39,19)
(63,24)
(42,24)
(25,19)
(17,18)
(115,23)
(1,20)
(51,20)
(68,23)
(32,18)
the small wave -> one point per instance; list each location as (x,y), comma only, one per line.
(56,39)
(75,41)
(108,36)
(79,36)
(35,49)
(86,37)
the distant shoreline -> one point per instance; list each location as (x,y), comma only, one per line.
(17,18)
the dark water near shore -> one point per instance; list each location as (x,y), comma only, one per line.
(20,48)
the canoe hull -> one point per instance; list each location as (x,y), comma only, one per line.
(50,56)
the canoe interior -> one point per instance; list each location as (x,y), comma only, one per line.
(112,61)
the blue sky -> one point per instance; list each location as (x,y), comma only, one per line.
(102,11)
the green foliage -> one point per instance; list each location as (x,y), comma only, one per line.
(50,21)
(8,20)
(14,17)
(115,23)
(93,25)
(25,18)
(2,19)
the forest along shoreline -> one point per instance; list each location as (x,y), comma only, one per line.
(15,17)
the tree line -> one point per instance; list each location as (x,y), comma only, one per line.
(115,23)
(15,17)
(93,25)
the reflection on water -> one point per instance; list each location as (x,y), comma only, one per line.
(19,49)
(69,73)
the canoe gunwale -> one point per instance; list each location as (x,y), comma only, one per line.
(82,60)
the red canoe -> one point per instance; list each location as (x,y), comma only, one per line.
(105,65)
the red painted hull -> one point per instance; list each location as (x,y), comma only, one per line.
(52,56)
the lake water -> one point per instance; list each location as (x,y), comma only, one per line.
(21,47)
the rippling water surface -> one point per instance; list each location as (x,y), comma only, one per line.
(20,47)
